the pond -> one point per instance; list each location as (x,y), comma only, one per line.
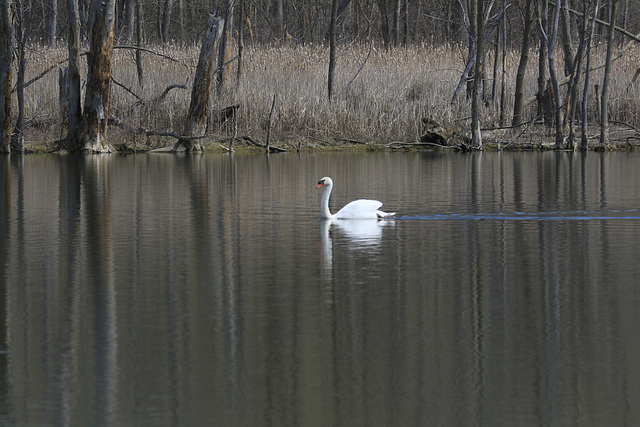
(205,290)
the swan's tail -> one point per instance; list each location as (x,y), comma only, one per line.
(384,214)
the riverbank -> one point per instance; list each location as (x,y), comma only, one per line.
(382,100)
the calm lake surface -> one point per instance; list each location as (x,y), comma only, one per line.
(204,290)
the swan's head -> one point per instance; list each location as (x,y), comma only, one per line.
(325,181)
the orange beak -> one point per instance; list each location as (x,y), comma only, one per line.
(320,184)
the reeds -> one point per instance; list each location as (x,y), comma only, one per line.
(380,95)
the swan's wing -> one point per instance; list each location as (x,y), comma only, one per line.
(362,208)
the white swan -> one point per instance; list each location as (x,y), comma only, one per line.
(358,209)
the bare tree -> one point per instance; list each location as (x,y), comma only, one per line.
(17,143)
(332,47)
(129,20)
(139,68)
(240,40)
(6,61)
(228,11)
(550,42)
(604,124)
(196,124)
(165,21)
(384,21)
(75,105)
(518,104)
(574,81)
(92,136)
(476,134)
(587,72)
(51,23)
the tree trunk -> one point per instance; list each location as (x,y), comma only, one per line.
(17,143)
(567,43)
(332,47)
(397,11)
(228,10)
(279,10)
(181,19)
(504,66)
(542,55)
(73,97)
(6,61)
(196,124)
(550,44)
(166,21)
(554,79)
(240,40)
(92,137)
(518,104)
(587,72)
(129,20)
(384,22)
(51,23)
(473,42)
(477,77)
(574,81)
(604,122)
(139,68)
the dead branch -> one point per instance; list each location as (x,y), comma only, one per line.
(400,144)
(357,72)
(114,121)
(117,83)
(257,144)
(142,49)
(41,75)
(160,98)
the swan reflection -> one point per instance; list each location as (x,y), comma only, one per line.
(357,234)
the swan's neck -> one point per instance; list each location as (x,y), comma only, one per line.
(324,204)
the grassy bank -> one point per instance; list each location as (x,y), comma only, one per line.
(381,96)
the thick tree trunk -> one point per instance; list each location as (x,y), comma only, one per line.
(518,104)
(6,61)
(604,123)
(196,124)
(73,97)
(92,136)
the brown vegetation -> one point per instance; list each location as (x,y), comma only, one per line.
(384,104)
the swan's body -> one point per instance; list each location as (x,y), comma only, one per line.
(358,209)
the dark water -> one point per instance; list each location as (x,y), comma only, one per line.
(168,290)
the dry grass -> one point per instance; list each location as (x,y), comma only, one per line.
(384,103)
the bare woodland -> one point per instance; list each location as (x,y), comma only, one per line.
(104,76)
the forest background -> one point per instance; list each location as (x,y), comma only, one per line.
(330,73)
